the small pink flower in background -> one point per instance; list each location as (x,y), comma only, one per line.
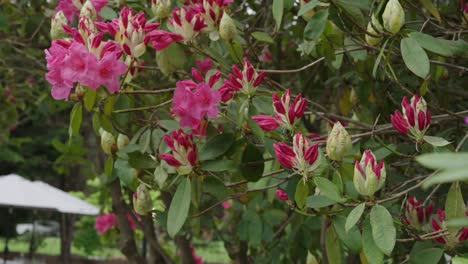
(466,120)
(204,65)
(104,223)
(55,56)
(415,119)
(184,151)
(302,157)
(226,204)
(187,22)
(197,259)
(286,112)
(245,81)
(265,56)
(282,195)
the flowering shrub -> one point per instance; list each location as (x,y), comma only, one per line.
(190,103)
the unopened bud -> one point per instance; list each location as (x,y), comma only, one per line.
(142,203)
(161,8)
(56,28)
(371,28)
(227,28)
(107,141)
(393,16)
(369,175)
(338,142)
(122,141)
(89,11)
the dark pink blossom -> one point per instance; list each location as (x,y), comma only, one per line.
(245,81)
(204,65)
(282,195)
(414,119)
(71,8)
(184,151)
(104,223)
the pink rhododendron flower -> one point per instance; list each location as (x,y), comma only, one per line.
(286,112)
(211,12)
(302,157)
(187,22)
(226,204)
(204,65)
(282,195)
(184,151)
(104,223)
(55,56)
(245,81)
(71,8)
(415,119)
(108,71)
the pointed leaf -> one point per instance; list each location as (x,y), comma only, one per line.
(354,216)
(316,25)
(278,10)
(180,205)
(302,190)
(415,57)
(436,141)
(383,230)
(328,189)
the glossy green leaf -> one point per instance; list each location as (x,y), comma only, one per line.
(436,141)
(431,8)
(373,254)
(252,163)
(459,260)
(352,239)
(218,165)
(383,229)
(454,205)
(354,216)
(316,25)
(179,208)
(309,6)
(89,99)
(333,246)
(328,189)
(262,36)
(278,10)
(448,48)
(76,116)
(216,146)
(318,201)
(302,191)
(108,13)
(426,256)
(414,57)
(446,176)
(444,160)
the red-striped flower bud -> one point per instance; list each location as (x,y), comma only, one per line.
(417,215)
(415,119)
(184,151)
(369,175)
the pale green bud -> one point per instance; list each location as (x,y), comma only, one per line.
(161,8)
(227,28)
(393,16)
(56,28)
(122,141)
(371,29)
(369,175)
(142,203)
(338,142)
(107,141)
(88,10)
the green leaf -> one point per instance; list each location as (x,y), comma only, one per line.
(452,175)
(278,10)
(179,208)
(105,123)
(383,230)
(426,256)
(352,9)
(373,254)
(415,57)
(352,238)
(76,116)
(252,163)
(354,216)
(436,141)
(145,141)
(218,165)
(274,216)
(379,58)
(139,160)
(431,8)
(333,246)
(216,146)
(457,222)
(169,125)
(447,48)
(89,99)
(262,36)
(160,176)
(126,174)
(302,191)
(454,205)
(316,25)
(107,13)
(309,6)
(328,189)
(459,260)
(318,201)
(444,160)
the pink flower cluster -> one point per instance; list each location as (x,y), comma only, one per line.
(245,81)
(286,112)
(415,119)
(416,214)
(301,157)
(439,224)
(106,222)
(70,61)
(71,8)
(184,151)
(194,103)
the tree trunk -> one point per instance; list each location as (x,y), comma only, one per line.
(156,252)
(185,252)
(66,234)
(127,242)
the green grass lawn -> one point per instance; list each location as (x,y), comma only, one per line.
(211,252)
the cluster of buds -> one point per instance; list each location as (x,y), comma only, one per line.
(184,151)
(417,215)
(393,16)
(452,238)
(142,203)
(302,157)
(415,119)
(287,112)
(338,142)
(369,175)
(187,22)
(245,81)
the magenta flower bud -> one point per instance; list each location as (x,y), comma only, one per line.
(184,151)
(197,76)
(369,175)
(452,239)
(303,157)
(416,215)
(245,81)
(204,65)
(187,22)
(267,123)
(282,195)
(415,119)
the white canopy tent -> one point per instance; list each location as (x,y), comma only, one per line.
(16,191)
